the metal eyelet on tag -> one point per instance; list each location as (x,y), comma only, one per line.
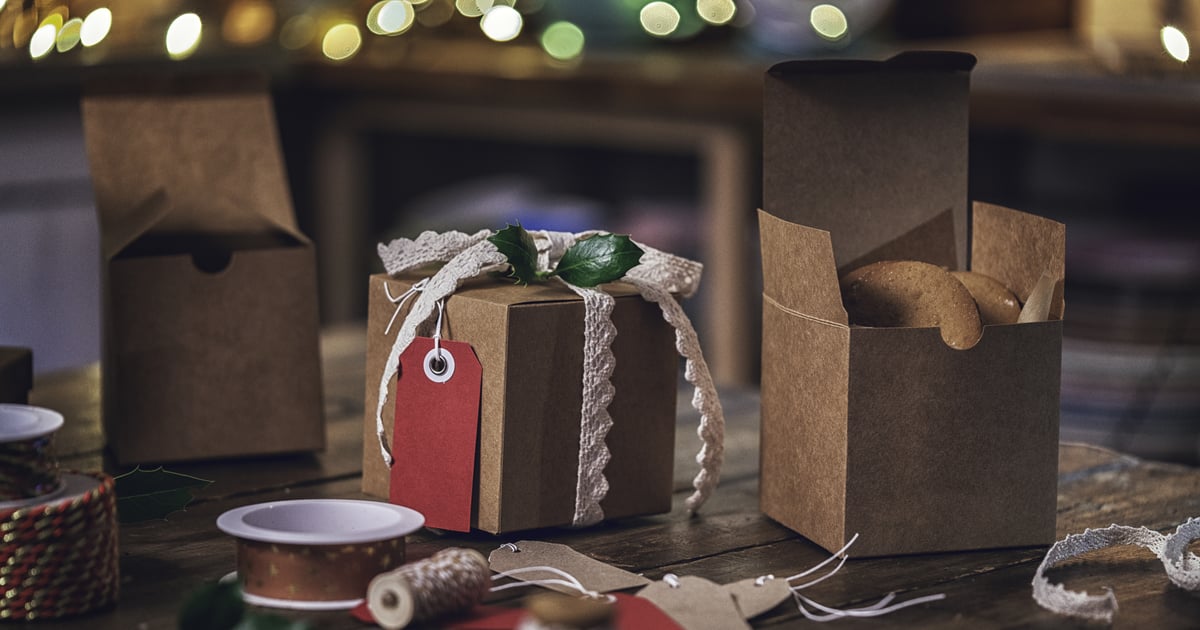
(439,365)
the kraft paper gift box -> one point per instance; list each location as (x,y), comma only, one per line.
(529,341)
(888,432)
(210,296)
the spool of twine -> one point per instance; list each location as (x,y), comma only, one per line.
(59,557)
(451,580)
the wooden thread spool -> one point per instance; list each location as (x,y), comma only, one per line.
(451,580)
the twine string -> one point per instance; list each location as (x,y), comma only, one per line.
(803,603)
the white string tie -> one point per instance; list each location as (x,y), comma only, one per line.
(877,609)
(401,299)
(672,580)
(567,581)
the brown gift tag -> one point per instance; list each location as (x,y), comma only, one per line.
(592,574)
(695,603)
(755,596)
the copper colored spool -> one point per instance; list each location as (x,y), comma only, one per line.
(314,572)
(316,554)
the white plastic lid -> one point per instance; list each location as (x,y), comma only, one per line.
(25,422)
(320,522)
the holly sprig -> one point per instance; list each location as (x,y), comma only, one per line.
(590,261)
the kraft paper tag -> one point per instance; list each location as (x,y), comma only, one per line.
(695,603)
(592,574)
(756,596)
(437,426)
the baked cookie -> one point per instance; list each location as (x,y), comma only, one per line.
(912,294)
(997,305)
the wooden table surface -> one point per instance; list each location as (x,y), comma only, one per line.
(161,561)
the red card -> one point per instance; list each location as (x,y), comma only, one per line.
(437,425)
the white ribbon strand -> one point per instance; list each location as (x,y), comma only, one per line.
(877,609)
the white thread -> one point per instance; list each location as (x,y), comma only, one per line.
(877,609)
(869,611)
(839,553)
(511,547)
(399,301)
(671,579)
(568,581)
(763,579)
(1183,570)
(437,328)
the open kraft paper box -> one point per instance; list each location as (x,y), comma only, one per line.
(888,432)
(529,341)
(210,295)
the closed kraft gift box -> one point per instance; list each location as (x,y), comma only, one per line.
(890,433)
(210,295)
(529,342)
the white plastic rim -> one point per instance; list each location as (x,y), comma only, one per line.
(25,422)
(291,604)
(320,522)
(71,486)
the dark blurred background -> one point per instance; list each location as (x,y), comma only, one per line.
(639,117)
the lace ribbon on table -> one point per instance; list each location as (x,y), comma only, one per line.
(1182,567)
(656,277)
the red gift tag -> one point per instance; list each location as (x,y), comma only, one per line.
(437,426)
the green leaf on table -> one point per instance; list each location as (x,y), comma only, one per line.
(599,259)
(515,243)
(146,495)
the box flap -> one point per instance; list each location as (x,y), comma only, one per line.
(1017,248)
(798,269)
(178,159)
(868,150)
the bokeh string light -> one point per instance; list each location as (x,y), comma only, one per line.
(334,31)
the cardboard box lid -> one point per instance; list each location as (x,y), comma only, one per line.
(186,158)
(870,150)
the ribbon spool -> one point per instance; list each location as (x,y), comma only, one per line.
(316,554)
(59,557)
(28,467)
(450,580)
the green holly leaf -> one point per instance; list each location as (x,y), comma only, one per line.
(599,259)
(146,495)
(515,243)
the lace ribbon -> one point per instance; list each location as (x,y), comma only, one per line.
(1182,567)
(657,276)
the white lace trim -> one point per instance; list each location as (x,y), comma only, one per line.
(1182,567)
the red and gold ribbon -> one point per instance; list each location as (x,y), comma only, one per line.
(59,557)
